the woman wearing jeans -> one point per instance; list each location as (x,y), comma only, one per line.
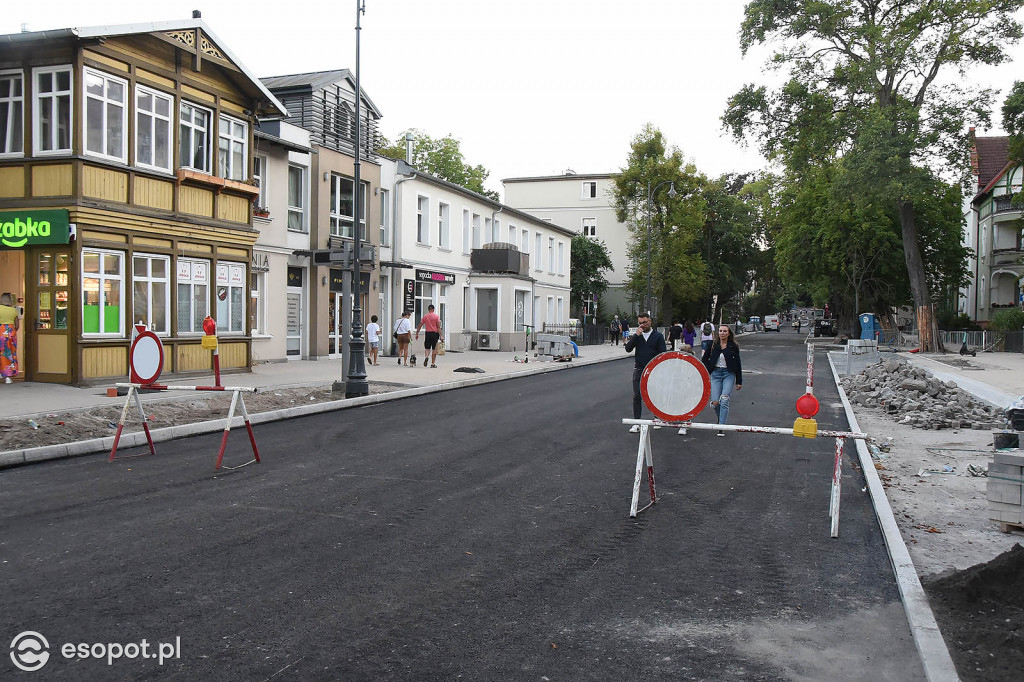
(722,360)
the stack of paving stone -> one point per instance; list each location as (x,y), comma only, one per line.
(912,396)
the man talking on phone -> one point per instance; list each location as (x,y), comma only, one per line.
(647,342)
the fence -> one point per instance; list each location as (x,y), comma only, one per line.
(582,334)
(1011,342)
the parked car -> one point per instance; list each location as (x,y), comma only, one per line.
(825,328)
(771,323)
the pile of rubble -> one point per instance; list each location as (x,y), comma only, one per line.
(912,396)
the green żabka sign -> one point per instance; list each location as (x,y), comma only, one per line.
(19,229)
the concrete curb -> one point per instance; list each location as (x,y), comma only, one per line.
(138,438)
(938,665)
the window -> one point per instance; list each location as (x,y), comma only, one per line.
(52,119)
(385,217)
(12,112)
(589,227)
(466,232)
(342,208)
(512,235)
(297,199)
(234,143)
(257,296)
(487,310)
(561,259)
(106,115)
(194,137)
(589,190)
(422,227)
(488,236)
(151,291)
(524,244)
(537,241)
(551,255)
(259,166)
(102,292)
(230,297)
(559,310)
(443,237)
(193,295)
(153,129)
(476,232)
(496,231)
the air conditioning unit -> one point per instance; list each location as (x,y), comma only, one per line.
(487,341)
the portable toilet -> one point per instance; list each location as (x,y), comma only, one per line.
(869,326)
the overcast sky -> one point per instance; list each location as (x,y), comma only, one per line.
(529,87)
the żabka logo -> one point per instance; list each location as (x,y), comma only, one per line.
(15,234)
(29,651)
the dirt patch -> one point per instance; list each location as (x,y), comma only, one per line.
(162,409)
(981,614)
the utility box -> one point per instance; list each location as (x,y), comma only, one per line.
(1006,489)
(870,326)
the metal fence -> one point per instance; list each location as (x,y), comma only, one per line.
(582,334)
(1010,342)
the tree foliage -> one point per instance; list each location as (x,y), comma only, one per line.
(441,157)
(864,99)
(588,261)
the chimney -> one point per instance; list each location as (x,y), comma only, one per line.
(196,14)
(408,148)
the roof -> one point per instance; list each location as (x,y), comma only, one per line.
(992,156)
(564,176)
(315,80)
(146,27)
(287,144)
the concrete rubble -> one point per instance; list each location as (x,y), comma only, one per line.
(912,396)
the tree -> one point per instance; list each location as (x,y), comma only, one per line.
(588,259)
(441,157)
(674,226)
(863,87)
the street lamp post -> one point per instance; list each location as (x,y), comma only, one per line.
(356,384)
(650,219)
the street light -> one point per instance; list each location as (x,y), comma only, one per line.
(650,219)
(356,384)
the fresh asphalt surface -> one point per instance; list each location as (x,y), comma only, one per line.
(478,534)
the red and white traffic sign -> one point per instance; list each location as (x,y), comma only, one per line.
(146,358)
(675,386)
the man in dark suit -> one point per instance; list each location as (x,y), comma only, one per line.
(647,342)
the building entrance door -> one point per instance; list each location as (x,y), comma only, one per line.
(48,316)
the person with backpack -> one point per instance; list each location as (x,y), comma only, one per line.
(615,329)
(707,335)
(722,360)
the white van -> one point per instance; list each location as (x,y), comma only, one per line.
(771,323)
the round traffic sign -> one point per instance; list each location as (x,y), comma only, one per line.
(675,386)
(146,358)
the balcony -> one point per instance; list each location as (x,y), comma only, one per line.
(500,257)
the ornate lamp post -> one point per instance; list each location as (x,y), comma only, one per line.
(650,219)
(356,384)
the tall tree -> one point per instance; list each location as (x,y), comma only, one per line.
(441,157)
(664,231)
(864,86)
(589,259)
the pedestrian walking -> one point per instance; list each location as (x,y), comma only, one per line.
(645,343)
(403,335)
(431,323)
(615,329)
(373,338)
(675,335)
(707,336)
(722,361)
(689,337)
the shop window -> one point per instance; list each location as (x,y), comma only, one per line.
(194,137)
(52,111)
(153,136)
(151,291)
(106,116)
(230,297)
(234,142)
(12,112)
(193,295)
(102,292)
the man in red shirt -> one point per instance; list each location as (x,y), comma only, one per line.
(431,322)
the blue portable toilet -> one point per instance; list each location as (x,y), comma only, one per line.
(869,326)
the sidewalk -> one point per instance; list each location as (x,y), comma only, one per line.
(996,378)
(27,399)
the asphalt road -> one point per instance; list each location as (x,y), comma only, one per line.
(478,534)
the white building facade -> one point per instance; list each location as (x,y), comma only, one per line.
(490,270)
